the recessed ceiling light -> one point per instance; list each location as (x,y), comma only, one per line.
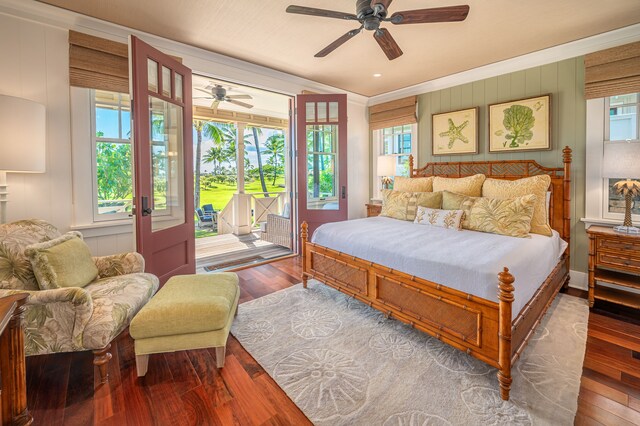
(377,74)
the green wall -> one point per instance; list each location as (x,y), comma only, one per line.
(565,81)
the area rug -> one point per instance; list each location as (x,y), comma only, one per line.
(344,363)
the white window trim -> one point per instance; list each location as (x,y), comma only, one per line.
(595,187)
(377,150)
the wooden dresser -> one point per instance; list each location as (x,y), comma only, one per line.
(614,258)
(373,209)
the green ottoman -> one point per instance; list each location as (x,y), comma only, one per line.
(189,312)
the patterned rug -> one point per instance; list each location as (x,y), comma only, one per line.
(344,363)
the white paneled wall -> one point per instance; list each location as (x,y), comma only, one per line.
(34,51)
(35,66)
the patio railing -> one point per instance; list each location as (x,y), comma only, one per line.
(249,210)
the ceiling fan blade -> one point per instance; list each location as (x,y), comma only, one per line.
(208,92)
(239,97)
(302,10)
(214,104)
(339,42)
(424,16)
(242,104)
(387,43)
(204,97)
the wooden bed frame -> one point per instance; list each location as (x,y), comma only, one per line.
(480,327)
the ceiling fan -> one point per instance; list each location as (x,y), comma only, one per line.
(219,94)
(371,13)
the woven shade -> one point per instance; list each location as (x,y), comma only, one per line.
(394,113)
(611,72)
(98,63)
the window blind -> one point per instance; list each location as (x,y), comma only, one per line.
(611,72)
(393,113)
(98,63)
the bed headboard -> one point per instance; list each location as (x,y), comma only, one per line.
(560,204)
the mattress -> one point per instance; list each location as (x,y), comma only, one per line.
(465,260)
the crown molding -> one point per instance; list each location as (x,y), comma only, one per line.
(236,70)
(546,56)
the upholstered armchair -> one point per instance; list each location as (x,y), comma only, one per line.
(69,319)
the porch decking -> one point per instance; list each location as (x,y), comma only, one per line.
(229,251)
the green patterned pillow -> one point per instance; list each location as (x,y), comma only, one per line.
(403,205)
(62,262)
(453,201)
(448,219)
(511,217)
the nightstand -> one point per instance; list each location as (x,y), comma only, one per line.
(373,209)
(614,258)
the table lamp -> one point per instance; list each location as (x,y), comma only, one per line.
(22,141)
(386,169)
(622,161)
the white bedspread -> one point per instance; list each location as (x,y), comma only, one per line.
(468,261)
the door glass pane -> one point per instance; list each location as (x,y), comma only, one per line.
(333,112)
(322,192)
(178,87)
(152,75)
(167,172)
(623,122)
(322,111)
(166,81)
(311,112)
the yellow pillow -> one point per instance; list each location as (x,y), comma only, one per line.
(511,217)
(62,262)
(403,205)
(420,184)
(536,185)
(470,185)
(453,201)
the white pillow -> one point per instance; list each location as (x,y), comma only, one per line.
(448,219)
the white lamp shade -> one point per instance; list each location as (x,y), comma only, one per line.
(621,160)
(386,165)
(22,135)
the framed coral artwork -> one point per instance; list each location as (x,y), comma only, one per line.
(522,125)
(455,132)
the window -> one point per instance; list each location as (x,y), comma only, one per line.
(621,124)
(397,141)
(111,113)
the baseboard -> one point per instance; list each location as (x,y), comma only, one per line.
(579,280)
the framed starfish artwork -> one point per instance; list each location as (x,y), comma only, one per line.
(522,125)
(455,132)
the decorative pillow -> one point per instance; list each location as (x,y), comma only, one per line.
(421,184)
(536,185)
(62,262)
(510,217)
(452,201)
(450,219)
(470,185)
(403,205)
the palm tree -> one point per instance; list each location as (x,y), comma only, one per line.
(256,131)
(215,132)
(216,155)
(274,146)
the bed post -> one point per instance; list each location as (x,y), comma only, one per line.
(304,235)
(566,208)
(505,295)
(410,165)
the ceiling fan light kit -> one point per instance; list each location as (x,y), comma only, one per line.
(371,13)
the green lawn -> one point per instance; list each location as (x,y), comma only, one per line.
(222,194)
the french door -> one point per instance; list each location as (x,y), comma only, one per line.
(163,161)
(322,159)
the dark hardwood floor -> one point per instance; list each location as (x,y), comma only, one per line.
(184,388)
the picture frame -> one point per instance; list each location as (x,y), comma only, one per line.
(455,132)
(520,125)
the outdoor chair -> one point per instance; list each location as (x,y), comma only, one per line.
(210,211)
(278,228)
(204,219)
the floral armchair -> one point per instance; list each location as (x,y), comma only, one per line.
(73,318)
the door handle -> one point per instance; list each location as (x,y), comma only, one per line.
(343,192)
(146,210)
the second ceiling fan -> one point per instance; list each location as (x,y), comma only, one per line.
(371,13)
(218,94)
